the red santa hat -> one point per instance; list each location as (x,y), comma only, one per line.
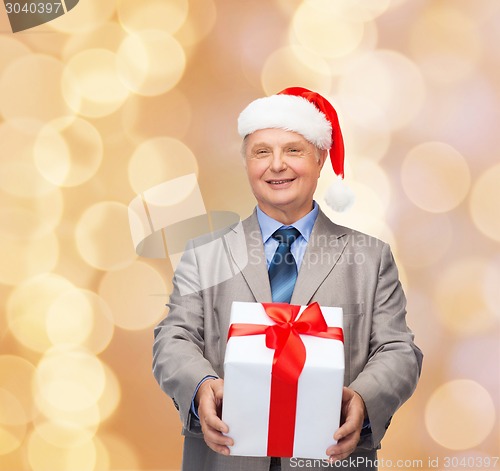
(311,115)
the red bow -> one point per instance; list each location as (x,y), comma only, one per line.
(288,362)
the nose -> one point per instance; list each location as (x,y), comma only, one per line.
(278,163)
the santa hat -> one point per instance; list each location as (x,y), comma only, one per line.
(311,115)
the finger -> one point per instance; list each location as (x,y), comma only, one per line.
(344,447)
(214,436)
(341,454)
(224,450)
(216,440)
(213,421)
(349,426)
(218,388)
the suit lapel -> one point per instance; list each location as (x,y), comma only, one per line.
(325,247)
(247,251)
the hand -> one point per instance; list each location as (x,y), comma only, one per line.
(209,401)
(353,413)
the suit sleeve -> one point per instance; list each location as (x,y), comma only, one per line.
(394,364)
(178,360)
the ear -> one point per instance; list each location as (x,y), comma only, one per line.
(322,156)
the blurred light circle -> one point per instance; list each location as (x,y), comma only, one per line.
(17,222)
(103,236)
(11,410)
(63,433)
(87,418)
(30,87)
(392,76)
(102,459)
(349,10)
(484,350)
(16,404)
(368,199)
(199,23)
(53,420)
(435,177)
(150,62)
(366,11)
(415,246)
(368,43)
(11,436)
(68,152)
(11,49)
(91,83)
(146,293)
(107,36)
(121,454)
(428,330)
(30,218)
(483,203)
(19,177)
(456,407)
(44,456)
(459,295)
(360,140)
(325,30)
(71,329)
(155,14)
(491,283)
(446,43)
(70,378)
(101,328)
(150,117)
(111,395)
(24,258)
(16,376)
(295,64)
(51,155)
(368,212)
(158,160)
(444,117)
(88,16)
(27,309)
(372,175)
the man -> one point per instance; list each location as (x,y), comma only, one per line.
(287,139)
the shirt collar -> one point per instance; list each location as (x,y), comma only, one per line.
(268,225)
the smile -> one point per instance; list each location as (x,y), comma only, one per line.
(280,182)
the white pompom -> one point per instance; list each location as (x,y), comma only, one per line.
(339,196)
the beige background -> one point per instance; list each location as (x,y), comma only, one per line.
(109,104)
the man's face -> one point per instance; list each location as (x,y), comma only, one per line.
(283,169)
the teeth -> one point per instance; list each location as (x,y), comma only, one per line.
(275,182)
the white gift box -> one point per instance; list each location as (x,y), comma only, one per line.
(247,387)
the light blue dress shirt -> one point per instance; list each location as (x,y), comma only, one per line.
(268,226)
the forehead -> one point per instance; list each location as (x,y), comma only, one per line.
(273,136)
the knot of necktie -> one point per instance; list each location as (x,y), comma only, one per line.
(286,235)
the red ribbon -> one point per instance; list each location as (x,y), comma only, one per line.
(288,362)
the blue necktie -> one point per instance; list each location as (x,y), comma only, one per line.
(283,269)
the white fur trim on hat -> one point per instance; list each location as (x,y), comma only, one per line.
(339,196)
(288,112)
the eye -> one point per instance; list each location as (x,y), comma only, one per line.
(261,152)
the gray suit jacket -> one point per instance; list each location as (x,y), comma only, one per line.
(341,267)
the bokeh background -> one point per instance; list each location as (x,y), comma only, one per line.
(110,104)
